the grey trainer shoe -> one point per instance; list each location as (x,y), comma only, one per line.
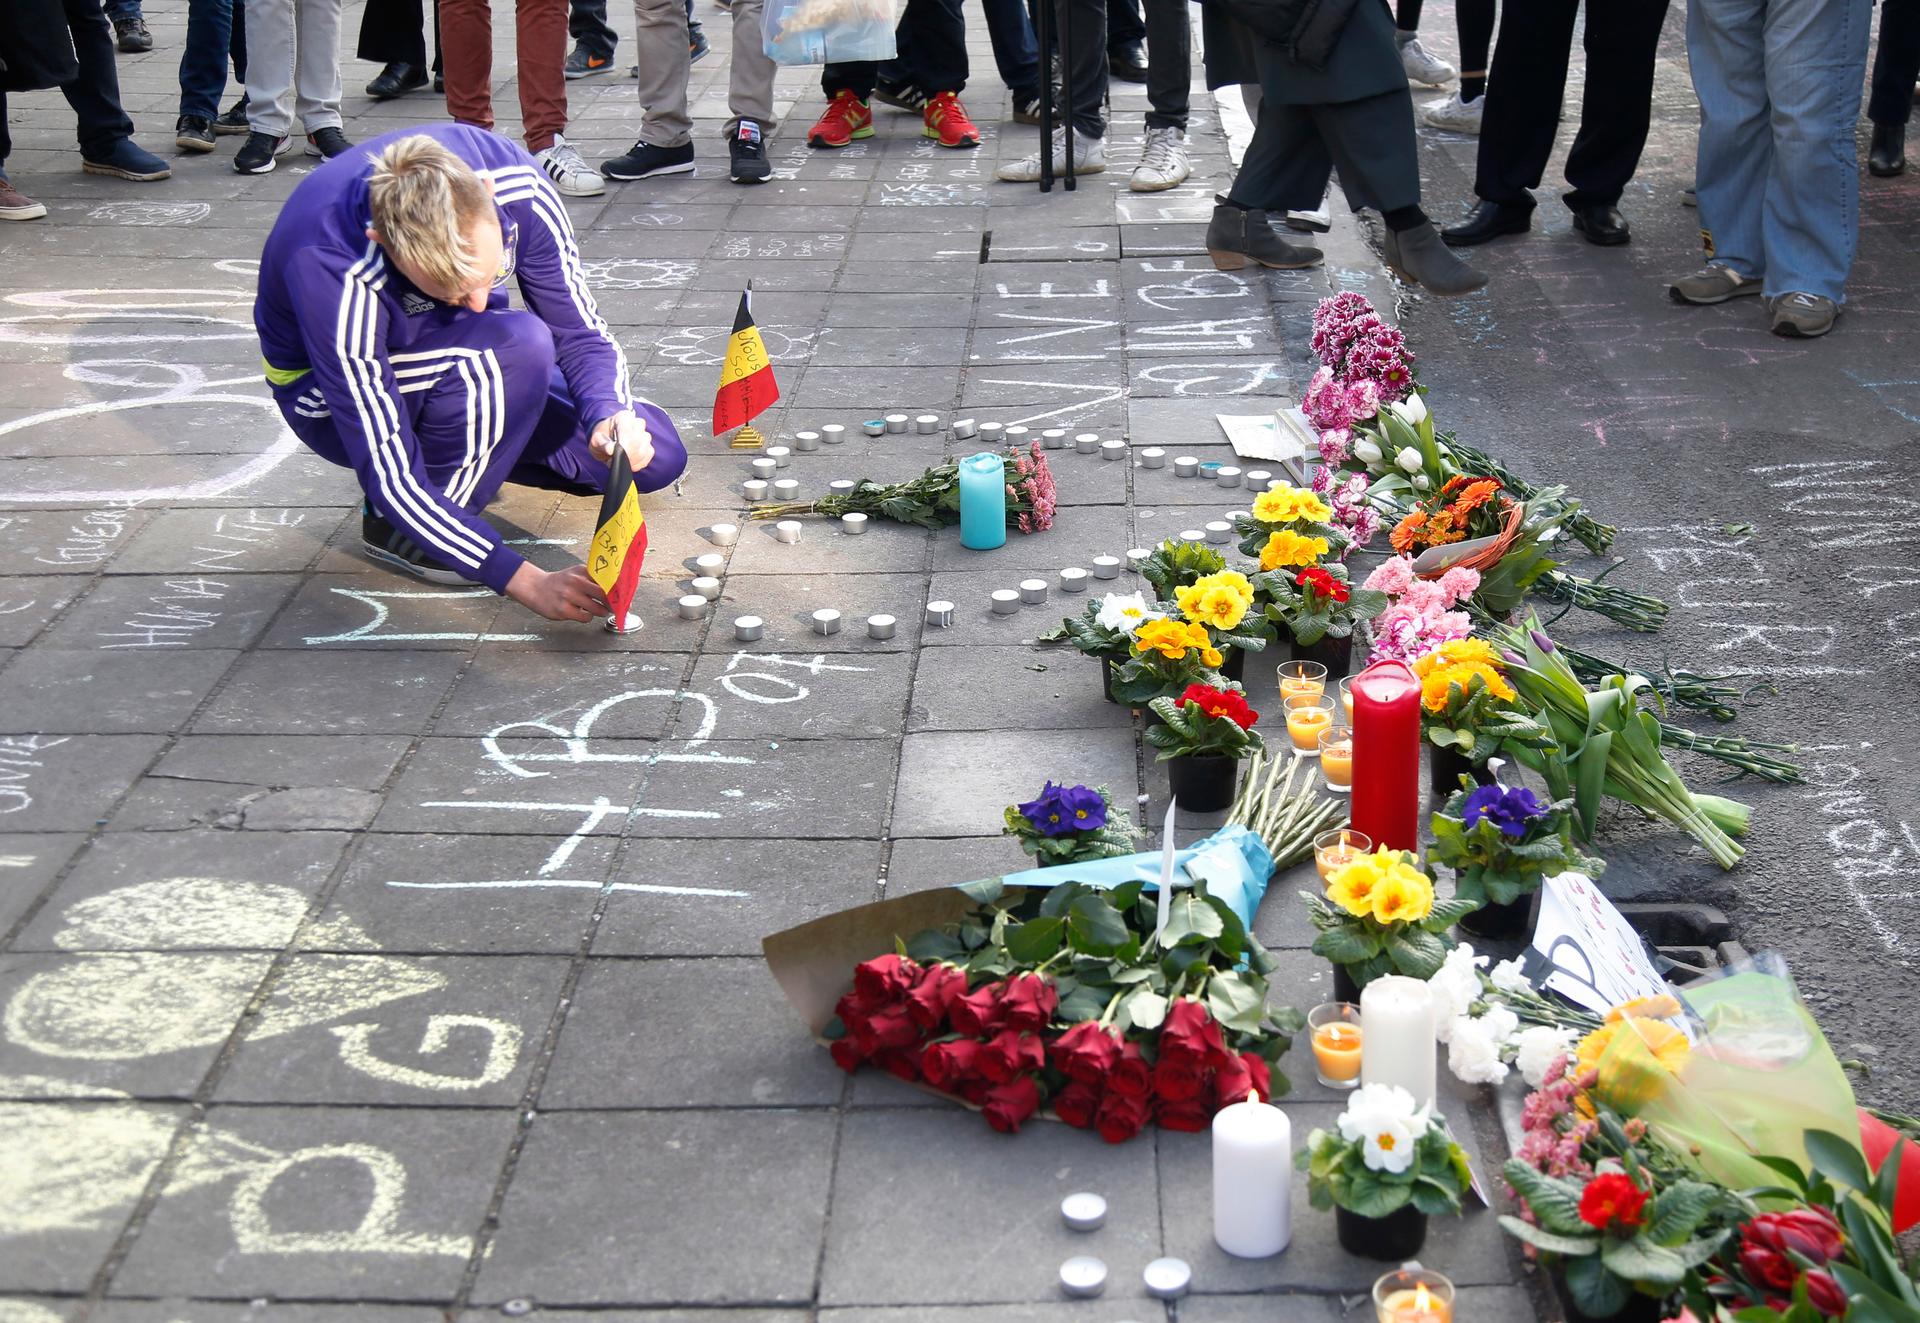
(1715,283)
(1799,316)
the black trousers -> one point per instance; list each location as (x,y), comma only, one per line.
(95,94)
(1295,149)
(394,32)
(1896,63)
(1124,26)
(1528,81)
(937,36)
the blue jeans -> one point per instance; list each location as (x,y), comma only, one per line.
(1779,85)
(216,31)
(119,9)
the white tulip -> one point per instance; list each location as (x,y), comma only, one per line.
(1366,451)
(1410,459)
(1412,410)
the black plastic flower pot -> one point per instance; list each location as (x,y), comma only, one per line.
(1234,667)
(1203,785)
(1391,1239)
(1334,654)
(1447,766)
(1513,919)
(1107,668)
(1639,1308)
(1344,987)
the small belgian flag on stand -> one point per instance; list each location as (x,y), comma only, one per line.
(619,542)
(747,388)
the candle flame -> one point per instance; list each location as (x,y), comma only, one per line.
(1422,1302)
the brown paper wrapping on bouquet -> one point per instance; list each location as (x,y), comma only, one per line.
(813,963)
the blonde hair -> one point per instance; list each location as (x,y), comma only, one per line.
(424,199)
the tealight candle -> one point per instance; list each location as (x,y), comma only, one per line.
(1397,1037)
(1017,434)
(711,563)
(1087,443)
(841,486)
(927,424)
(1334,850)
(1005,601)
(1336,759)
(706,587)
(782,456)
(1301,678)
(786,489)
(1335,1029)
(826,621)
(1083,1277)
(880,627)
(874,426)
(1033,590)
(1306,718)
(1106,567)
(896,423)
(1227,475)
(833,434)
(1115,449)
(940,614)
(1167,1279)
(963,428)
(1252,1179)
(1219,530)
(1054,438)
(755,489)
(787,530)
(1136,556)
(806,440)
(723,535)
(1257,479)
(1185,466)
(1192,535)
(1073,580)
(993,433)
(1153,457)
(748,629)
(853,522)
(1084,1211)
(1413,1295)
(763,469)
(692,606)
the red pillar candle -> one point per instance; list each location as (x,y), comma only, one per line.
(1386,755)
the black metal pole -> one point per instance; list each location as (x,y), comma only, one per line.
(1042,27)
(1066,66)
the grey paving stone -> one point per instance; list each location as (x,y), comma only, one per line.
(315,1172)
(1496,1304)
(1472,1248)
(1077,536)
(261,1311)
(110,693)
(758,699)
(920,865)
(199,890)
(350,691)
(686,1033)
(68,782)
(903,310)
(637,1170)
(462,894)
(1186,422)
(825,548)
(653,1316)
(903,277)
(813,788)
(1254,380)
(27,865)
(28,603)
(503,688)
(171,804)
(975,622)
(786,603)
(785,883)
(454,786)
(435,1029)
(1062,1311)
(82,1167)
(876,1256)
(955,783)
(362,762)
(65,541)
(1010,689)
(341,612)
(239,541)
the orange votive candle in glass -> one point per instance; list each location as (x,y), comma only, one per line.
(1302,679)
(1336,759)
(1335,1030)
(1334,850)
(1346,699)
(1307,717)
(1413,1295)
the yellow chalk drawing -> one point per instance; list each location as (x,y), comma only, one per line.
(503,1049)
(26,1311)
(379,1230)
(196,914)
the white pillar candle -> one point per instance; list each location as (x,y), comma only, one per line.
(993,433)
(1186,466)
(1005,601)
(855,522)
(963,428)
(880,627)
(1252,1179)
(1396,1036)
(1115,449)
(1227,475)
(692,606)
(755,489)
(826,621)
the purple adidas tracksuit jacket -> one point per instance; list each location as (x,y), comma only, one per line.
(432,406)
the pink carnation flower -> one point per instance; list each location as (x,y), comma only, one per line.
(1393,577)
(1459,583)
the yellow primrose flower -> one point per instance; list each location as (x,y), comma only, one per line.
(1219,607)
(1169,638)
(1404,894)
(1213,657)
(1287,548)
(1352,885)
(1457,663)
(1285,504)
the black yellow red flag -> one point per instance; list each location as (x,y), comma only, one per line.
(747,386)
(619,547)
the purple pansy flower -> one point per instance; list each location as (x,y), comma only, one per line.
(1064,810)
(1511,809)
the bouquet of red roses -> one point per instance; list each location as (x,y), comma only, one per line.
(1077,998)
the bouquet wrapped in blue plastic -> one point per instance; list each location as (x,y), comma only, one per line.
(829,31)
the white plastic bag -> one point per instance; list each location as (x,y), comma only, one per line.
(829,31)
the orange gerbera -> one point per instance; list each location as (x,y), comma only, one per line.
(1475,496)
(1454,484)
(1406,533)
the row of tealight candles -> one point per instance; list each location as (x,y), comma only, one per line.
(1319,724)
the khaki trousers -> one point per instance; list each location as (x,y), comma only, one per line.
(660,47)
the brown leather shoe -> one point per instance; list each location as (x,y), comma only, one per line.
(15,205)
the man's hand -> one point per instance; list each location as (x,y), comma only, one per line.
(569,594)
(630,433)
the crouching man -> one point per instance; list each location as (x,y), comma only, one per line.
(387,338)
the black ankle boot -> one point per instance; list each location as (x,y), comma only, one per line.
(1418,257)
(1238,236)
(1887,151)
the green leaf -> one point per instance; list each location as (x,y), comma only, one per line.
(1371,1195)
(1146,1008)
(986,891)
(1552,1242)
(1236,1001)
(1678,1209)
(1555,1203)
(1190,919)
(1872,1302)
(1347,944)
(932,946)
(1094,926)
(1416,952)
(1598,1292)
(1445,914)
(1640,1260)
(1036,941)
(1083,1003)
(1839,1160)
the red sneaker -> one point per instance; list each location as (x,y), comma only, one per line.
(947,121)
(846,117)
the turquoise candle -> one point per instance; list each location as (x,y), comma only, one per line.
(983,501)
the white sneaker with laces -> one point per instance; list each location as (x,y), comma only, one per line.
(1423,66)
(1453,114)
(1163,162)
(571,175)
(1089,158)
